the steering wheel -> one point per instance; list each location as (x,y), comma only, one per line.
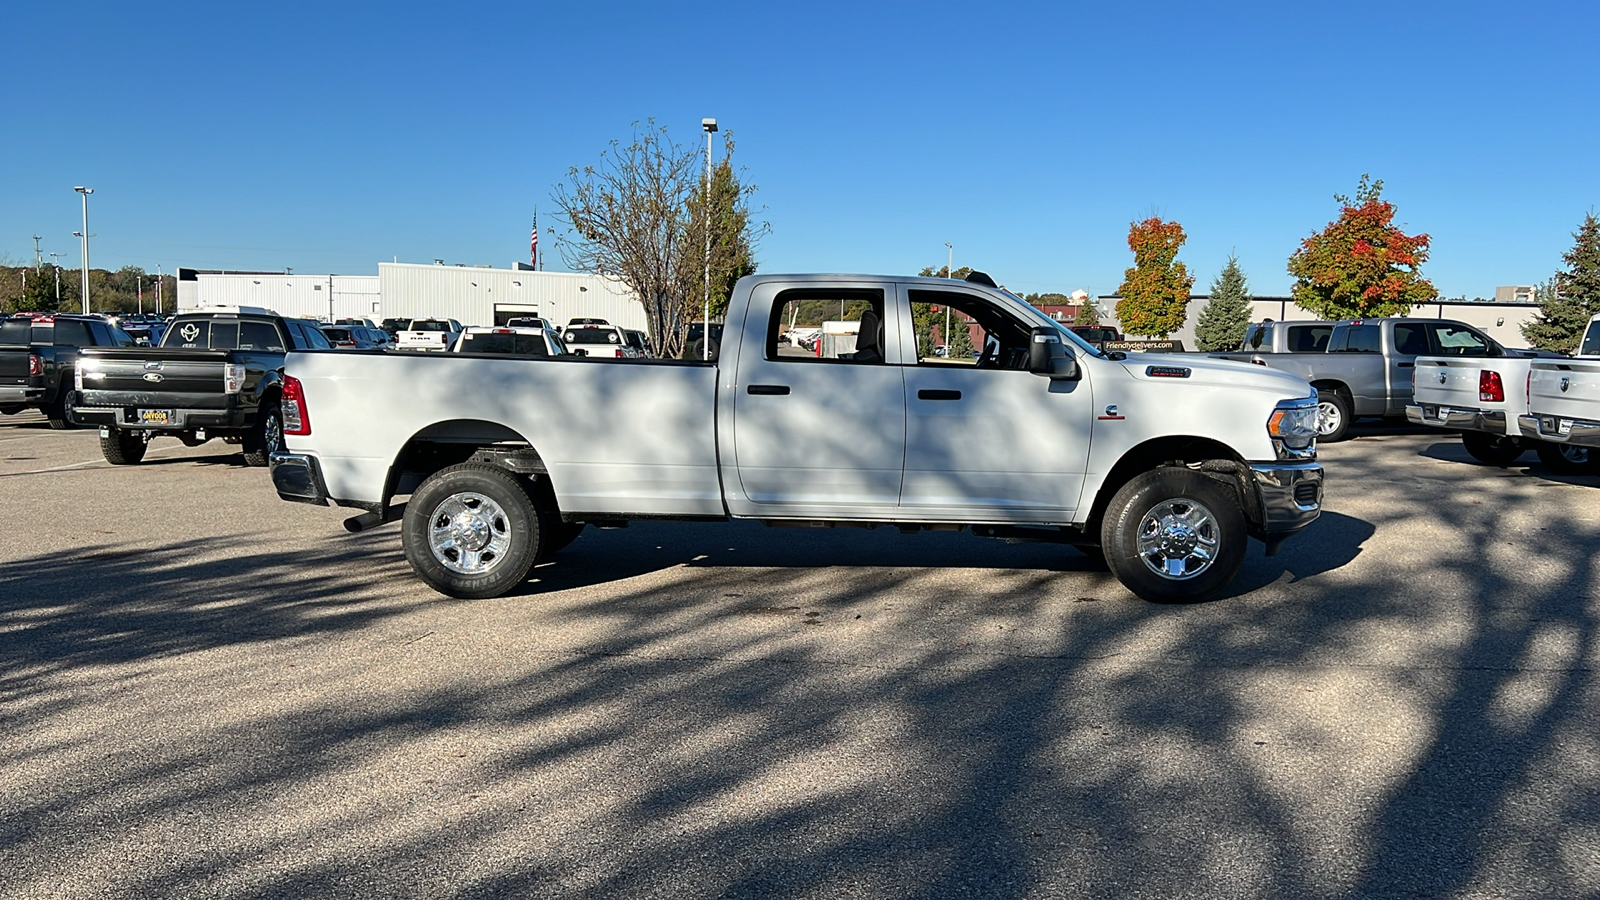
(990,358)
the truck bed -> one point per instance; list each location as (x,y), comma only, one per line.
(616,440)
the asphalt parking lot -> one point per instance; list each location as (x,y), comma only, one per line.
(207,692)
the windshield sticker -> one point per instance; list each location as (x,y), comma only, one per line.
(190,332)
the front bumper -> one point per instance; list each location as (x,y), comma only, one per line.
(298,478)
(1560,430)
(1492,421)
(1288,496)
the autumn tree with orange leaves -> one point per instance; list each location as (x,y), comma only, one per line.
(1361,265)
(1155,292)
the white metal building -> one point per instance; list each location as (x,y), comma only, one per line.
(474,295)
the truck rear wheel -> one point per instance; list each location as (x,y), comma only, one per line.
(122,447)
(1174,535)
(473,531)
(1566,459)
(1493,449)
(1333,415)
(267,436)
(59,412)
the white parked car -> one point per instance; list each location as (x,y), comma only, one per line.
(509,340)
(435,335)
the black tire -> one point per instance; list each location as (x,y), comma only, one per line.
(267,435)
(559,537)
(1333,415)
(11,409)
(1493,449)
(59,412)
(1205,537)
(473,531)
(1567,459)
(122,447)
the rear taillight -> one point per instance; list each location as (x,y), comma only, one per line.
(296,417)
(35,365)
(1490,388)
(232,378)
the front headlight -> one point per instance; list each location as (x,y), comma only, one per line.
(1294,422)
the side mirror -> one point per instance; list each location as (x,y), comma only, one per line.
(1047,356)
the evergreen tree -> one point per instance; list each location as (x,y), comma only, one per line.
(1087,314)
(1572,297)
(1226,315)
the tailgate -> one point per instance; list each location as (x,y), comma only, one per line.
(166,378)
(1448,382)
(14,367)
(1569,389)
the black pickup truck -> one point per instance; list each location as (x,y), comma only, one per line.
(215,374)
(38,356)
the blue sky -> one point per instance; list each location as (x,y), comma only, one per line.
(330,136)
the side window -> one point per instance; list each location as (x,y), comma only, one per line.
(981,333)
(1458,340)
(1410,339)
(259,336)
(824,325)
(1591,341)
(1257,337)
(71,333)
(1363,339)
(315,339)
(1309,338)
(101,334)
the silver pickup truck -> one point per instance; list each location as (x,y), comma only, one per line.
(1363,366)
(1163,465)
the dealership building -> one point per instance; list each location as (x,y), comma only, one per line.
(472,295)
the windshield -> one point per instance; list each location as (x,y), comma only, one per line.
(429,326)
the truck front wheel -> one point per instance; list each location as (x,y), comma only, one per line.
(1333,415)
(122,447)
(1492,449)
(473,531)
(1174,535)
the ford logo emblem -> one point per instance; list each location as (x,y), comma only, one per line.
(153,377)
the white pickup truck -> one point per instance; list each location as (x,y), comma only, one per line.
(1487,399)
(1564,404)
(428,335)
(1165,464)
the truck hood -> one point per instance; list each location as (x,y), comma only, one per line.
(1196,369)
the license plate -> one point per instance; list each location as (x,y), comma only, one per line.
(157,416)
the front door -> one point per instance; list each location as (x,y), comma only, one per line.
(819,424)
(987,440)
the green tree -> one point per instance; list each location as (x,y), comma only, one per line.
(1048,299)
(1155,292)
(1226,315)
(39,291)
(733,235)
(1361,264)
(1572,296)
(1087,314)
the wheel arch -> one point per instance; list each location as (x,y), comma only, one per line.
(455,441)
(1169,450)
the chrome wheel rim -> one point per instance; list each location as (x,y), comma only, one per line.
(1328,418)
(469,533)
(1575,455)
(272,434)
(1179,539)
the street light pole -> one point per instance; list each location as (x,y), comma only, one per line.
(55,259)
(85,192)
(710,125)
(158,290)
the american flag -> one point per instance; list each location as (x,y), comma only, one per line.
(533,243)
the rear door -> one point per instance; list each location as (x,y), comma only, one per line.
(818,433)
